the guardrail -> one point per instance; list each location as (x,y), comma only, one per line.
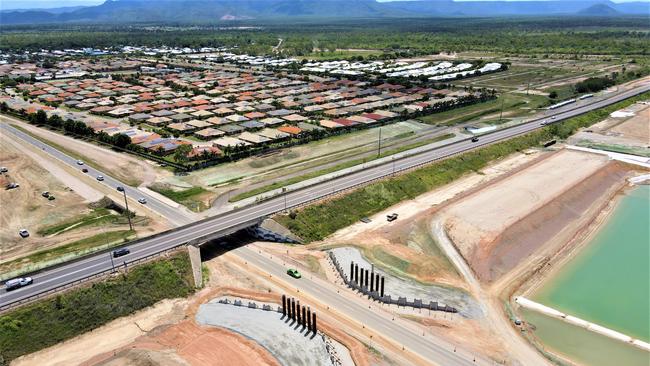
(424,151)
(79,281)
(334,191)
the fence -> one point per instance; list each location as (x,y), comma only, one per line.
(387,299)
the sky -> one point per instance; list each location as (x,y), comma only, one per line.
(44,4)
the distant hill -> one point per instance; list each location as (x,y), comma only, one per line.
(211,11)
(599,10)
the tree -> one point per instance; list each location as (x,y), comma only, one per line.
(180,154)
(552,94)
(41,117)
(121,140)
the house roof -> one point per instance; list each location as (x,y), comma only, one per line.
(290,130)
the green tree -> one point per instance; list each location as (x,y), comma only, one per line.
(180,154)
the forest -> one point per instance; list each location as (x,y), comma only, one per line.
(626,35)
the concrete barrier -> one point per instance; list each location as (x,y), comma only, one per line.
(387,299)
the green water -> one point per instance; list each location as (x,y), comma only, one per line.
(608,283)
(583,346)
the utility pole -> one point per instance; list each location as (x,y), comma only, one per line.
(128,214)
(379,143)
(502,100)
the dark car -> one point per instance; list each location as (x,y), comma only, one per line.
(120,189)
(121,252)
(84,170)
(474,139)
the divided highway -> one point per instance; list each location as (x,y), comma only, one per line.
(172,214)
(74,271)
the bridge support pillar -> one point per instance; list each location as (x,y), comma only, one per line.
(195,259)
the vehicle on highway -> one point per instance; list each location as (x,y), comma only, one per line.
(474,139)
(18,283)
(293,273)
(142,200)
(100,178)
(121,252)
(543,123)
(45,194)
(120,189)
(392,217)
(84,170)
(554,117)
(12,185)
(79,162)
(23,233)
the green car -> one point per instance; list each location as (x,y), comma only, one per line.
(293,273)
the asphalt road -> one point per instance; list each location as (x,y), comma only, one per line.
(59,276)
(436,351)
(174,215)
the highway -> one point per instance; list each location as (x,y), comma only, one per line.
(172,214)
(59,276)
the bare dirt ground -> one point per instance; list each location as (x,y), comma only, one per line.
(186,343)
(24,207)
(167,334)
(122,166)
(475,223)
(408,238)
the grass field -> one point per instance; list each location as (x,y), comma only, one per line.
(96,217)
(190,198)
(513,106)
(48,322)
(317,221)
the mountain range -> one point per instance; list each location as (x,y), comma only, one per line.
(214,11)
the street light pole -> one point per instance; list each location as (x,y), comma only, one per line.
(128,214)
(112,264)
(379,144)
(284,193)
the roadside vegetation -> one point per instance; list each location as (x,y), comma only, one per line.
(191,198)
(320,220)
(46,323)
(68,251)
(511,103)
(335,168)
(98,216)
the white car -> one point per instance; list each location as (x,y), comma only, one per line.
(142,200)
(79,162)
(18,283)
(23,233)
(554,117)
(100,178)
